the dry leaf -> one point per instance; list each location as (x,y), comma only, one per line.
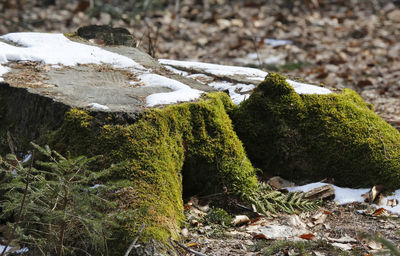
(260,236)
(374,195)
(193,245)
(185,232)
(374,245)
(319,218)
(392,202)
(240,220)
(307,236)
(380,212)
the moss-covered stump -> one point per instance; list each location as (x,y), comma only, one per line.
(335,135)
(148,157)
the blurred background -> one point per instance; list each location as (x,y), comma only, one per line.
(340,43)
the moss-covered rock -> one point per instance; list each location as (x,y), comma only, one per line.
(314,136)
(148,157)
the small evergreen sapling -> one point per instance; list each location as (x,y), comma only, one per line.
(61,214)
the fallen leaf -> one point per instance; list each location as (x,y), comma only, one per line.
(307,236)
(363,83)
(193,245)
(374,245)
(260,236)
(392,202)
(374,195)
(185,232)
(240,220)
(380,212)
(256,219)
(319,218)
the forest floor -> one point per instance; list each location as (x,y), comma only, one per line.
(343,44)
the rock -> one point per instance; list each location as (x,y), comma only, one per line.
(337,135)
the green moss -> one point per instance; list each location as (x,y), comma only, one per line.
(317,136)
(219,216)
(193,140)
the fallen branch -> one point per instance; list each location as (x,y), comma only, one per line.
(188,249)
(135,240)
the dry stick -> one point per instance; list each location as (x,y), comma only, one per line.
(135,240)
(254,41)
(174,247)
(21,207)
(188,249)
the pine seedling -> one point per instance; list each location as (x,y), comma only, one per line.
(61,215)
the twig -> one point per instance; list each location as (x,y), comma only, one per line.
(135,240)
(188,249)
(21,207)
(254,41)
(244,207)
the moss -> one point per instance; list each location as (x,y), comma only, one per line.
(317,136)
(219,216)
(193,140)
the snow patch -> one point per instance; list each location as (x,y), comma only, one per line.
(98,106)
(3,70)
(181,92)
(26,158)
(96,186)
(56,49)
(20,251)
(251,73)
(217,70)
(236,91)
(302,88)
(350,195)
(176,71)
(277,42)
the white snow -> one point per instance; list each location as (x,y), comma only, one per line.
(180,92)
(234,90)
(217,70)
(98,106)
(26,158)
(200,77)
(350,195)
(251,73)
(276,42)
(302,88)
(23,250)
(176,71)
(3,70)
(96,186)
(56,49)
